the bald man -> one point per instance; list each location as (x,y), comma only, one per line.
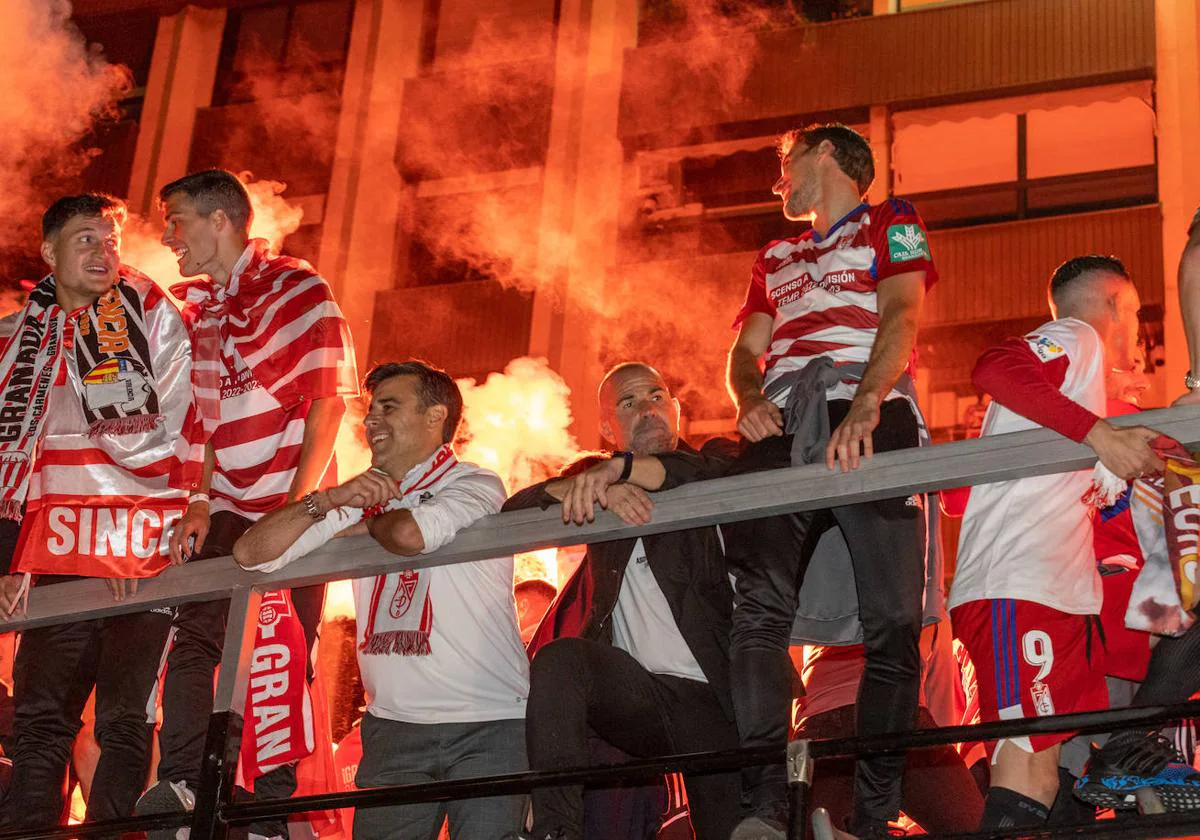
(636,648)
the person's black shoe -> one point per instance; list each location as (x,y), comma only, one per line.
(1134,760)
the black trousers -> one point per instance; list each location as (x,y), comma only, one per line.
(188,687)
(940,793)
(55,670)
(577,686)
(769,557)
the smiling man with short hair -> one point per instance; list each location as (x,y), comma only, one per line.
(439,650)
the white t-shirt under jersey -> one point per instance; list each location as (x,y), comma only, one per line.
(1031,538)
(644,627)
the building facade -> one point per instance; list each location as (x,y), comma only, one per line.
(588,180)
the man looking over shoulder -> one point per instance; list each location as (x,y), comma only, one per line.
(833,314)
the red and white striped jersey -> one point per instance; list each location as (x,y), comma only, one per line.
(283,343)
(821,291)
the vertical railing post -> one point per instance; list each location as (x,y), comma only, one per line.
(225,726)
(800,770)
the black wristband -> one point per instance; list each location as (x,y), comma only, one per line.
(627,470)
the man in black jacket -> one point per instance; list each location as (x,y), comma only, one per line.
(636,648)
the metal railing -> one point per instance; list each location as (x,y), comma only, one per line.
(887,475)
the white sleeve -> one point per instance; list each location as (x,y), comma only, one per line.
(468,499)
(317,534)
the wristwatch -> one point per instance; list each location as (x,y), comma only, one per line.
(310,506)
(1191,382)
(627,470)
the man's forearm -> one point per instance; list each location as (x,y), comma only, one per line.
(890,355)
(398,532)
(648,473)
(743,376)
(320,435)
(210,462)
(269,537)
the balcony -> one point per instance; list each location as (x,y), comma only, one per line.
(942,55)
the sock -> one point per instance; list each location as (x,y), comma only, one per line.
(1006,808)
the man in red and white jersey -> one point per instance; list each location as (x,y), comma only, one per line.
(274,362)
(1026,592)
(96,464)
(832,313)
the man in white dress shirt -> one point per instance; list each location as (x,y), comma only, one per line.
(439,650)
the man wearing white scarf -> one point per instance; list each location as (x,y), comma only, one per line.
(439,650)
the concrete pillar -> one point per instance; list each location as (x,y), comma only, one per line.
(880,137)
(365,191)
(1177,38)
(183,71)
(581,195)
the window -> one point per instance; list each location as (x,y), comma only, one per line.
(284,49)
(949,155)
(1062,152)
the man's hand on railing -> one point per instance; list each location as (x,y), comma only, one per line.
(122,588)
(582,492)
(189,533)
(631,503)
(1127,451)
(10,594)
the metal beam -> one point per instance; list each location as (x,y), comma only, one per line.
(890,474)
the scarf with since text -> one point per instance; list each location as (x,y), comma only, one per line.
(106,347)
(400,617)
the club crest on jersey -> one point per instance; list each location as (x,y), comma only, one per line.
(1044,348)
(1043,703)
(117,383)
(403,597)
(907,242)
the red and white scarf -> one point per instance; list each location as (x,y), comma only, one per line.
(400,617)
(280,317)
(108,358)
(279,725)
(1166,516)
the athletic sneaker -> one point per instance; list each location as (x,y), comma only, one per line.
(166,798)
(1134,760)
(759,828)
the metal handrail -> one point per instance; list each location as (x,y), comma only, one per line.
(887,475)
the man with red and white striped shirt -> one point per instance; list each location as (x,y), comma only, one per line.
(832,313)
(274,361)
